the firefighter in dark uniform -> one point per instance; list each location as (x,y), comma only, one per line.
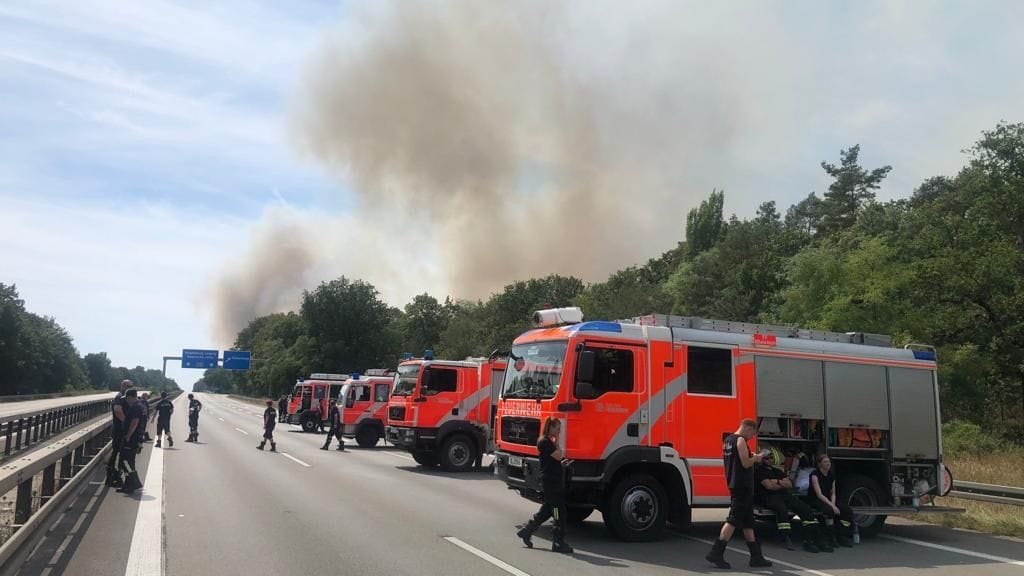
(119,410)
(162,412)
(334,415)
(552,470)
(131,443)
(739,473)
(282,409)
(774,490)
(269,421)
(144,401)
(822,495)
(194,406)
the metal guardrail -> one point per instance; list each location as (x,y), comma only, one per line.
(51,395)
(988,493)
(23,430)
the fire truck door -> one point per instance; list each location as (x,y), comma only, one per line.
(611,406)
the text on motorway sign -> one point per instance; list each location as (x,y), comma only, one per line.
(199,358)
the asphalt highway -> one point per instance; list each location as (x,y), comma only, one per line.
(223,507)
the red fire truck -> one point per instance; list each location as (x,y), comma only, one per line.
(646,403)
(310,401)
(442,411)
(364,406)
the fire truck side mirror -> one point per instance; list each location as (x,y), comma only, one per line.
(585,367)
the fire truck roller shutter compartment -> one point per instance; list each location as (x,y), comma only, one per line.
(914,426)
(856,395)
(790,388)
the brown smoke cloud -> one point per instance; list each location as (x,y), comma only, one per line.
(513,140)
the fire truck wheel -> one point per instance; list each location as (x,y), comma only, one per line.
(308,425)
(636,509)
(458,454)
(577,515)
(860,490)
(426,459)
(367,437)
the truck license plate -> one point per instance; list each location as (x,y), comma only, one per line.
(515,461)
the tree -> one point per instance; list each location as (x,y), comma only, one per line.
(851,189)
(509,313)
(704,224)
(97,368)
(351,328)
(424,321)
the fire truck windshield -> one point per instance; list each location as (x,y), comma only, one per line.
(405,380)
(534,370)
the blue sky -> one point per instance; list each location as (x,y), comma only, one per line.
(143,145)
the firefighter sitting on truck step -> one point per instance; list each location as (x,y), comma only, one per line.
(822,495)
(774,490)
(552,470)
(739,473)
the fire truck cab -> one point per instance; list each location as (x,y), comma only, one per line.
(646,403)
(364,406)
(310,400)
(442,411)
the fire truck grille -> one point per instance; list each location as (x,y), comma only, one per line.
(396,413)
(520,430)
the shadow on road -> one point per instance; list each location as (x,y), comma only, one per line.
(475,474)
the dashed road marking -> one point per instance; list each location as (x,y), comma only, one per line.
(290,457)
(242,431)
(485,556)
(981,555)
(400,456)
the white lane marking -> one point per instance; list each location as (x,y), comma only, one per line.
(219,418)
(400,456)
(485,556)
(981,555)
(290,457)
(774,560)
(242,431)
(146,555)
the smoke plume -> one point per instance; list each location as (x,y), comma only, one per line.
(502,141)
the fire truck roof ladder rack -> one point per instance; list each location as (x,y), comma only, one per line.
(695,323)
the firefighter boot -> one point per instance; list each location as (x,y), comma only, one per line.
(559,544)
(717,555)
(157,443)
(810,533)
(830,536)
(273,447)
(261,445)
(757,559)
(170,441)
(787,541)
(526,532)
(841,529)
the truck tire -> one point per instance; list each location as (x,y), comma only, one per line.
(636,509)
(367,437)
(577,515)
(458,453)
(860,490)
(308,424)
(425,459)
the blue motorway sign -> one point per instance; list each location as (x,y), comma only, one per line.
(198,358)
(237,359)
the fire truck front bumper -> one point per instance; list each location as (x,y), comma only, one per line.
(520,473)
(412,439)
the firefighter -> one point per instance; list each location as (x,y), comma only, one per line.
(144,401)
(131,442)
(269,421)
(822,495)
(336,427)
(119,410)
(194,407)
(552,470)
(775,490)
(739,463)
(162,411)
(282,409)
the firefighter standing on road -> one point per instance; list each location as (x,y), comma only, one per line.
(119,410)
(775,490)
(144,401)
(194,406)
(552,470)
(162,411)
(739,463)
(269,421)
(131,443)
(282,409)
(336,428)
